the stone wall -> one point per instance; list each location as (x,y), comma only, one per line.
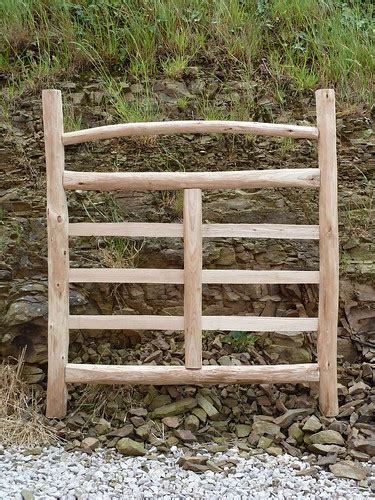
(23,285)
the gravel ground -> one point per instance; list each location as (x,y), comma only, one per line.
(105,474)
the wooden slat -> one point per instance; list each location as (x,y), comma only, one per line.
(282,231)
(329,253)
(154,181)
(189,127)
(129,229)
(121,322)
(172,375)
(193,277)
(259,324)
(225,323)
(58,255)
(176,276)
(175,230)
(243,276)
(114,275)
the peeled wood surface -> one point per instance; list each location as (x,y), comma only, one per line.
(282,231)
(175,230)
(129,229)
(176,276)
(329,253)
(121,322)
(243,276)
(193,277)
(113,275)
(58,255)
(226,323)
(172,375)
(259,324)
(154,181)
(190,127)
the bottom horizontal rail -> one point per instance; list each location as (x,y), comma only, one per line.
(172,375)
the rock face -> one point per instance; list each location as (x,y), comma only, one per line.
(23,295)
(222,411)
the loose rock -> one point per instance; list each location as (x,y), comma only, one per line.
(130,448)
(349,471)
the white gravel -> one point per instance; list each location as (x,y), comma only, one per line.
(105,474)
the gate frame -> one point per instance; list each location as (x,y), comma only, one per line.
(60,372)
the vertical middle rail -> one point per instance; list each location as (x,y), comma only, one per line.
(193,277)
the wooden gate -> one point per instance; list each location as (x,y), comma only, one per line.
(324,178)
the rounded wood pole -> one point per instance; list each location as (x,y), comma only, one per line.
(58,255)
(193,277)
(329,253)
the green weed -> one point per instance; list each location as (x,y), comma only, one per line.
(72,118)
(116,251)
(240,340)
(175,66)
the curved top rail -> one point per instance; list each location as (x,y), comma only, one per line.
(189,127)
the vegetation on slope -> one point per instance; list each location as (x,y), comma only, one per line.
(294,45)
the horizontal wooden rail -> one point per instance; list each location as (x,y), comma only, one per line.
(189,127)
(259,324)
(176,276)
(129,229)
(175,230)
(244,276)
(282,231)
(154,181)
(225,323)
(171,375)
(116,275)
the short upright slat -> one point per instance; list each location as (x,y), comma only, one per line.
(58,255)
(329,253)
(193,277)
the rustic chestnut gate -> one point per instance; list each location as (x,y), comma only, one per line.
(192,276)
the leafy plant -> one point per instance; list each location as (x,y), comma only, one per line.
(240,340)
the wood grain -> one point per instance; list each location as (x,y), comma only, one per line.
(190,127)
(193,277)
(175,230)
(129,229)
(329,253)
(154,181)
(225,323)
(58,255)
(282,231)
(176,276)
(172,375)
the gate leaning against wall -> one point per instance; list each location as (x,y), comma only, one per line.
(324,178)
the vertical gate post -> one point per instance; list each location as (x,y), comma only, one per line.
(193,277)
(58,255)
(329,253)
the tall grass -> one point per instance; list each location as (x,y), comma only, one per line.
(296,43)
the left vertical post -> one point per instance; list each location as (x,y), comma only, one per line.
(58,255)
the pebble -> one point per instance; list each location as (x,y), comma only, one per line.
(56,473)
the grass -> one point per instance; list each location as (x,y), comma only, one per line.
(298,45)
(95,402)
(116,251)
(72,118)
(21,421)
(174,67)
